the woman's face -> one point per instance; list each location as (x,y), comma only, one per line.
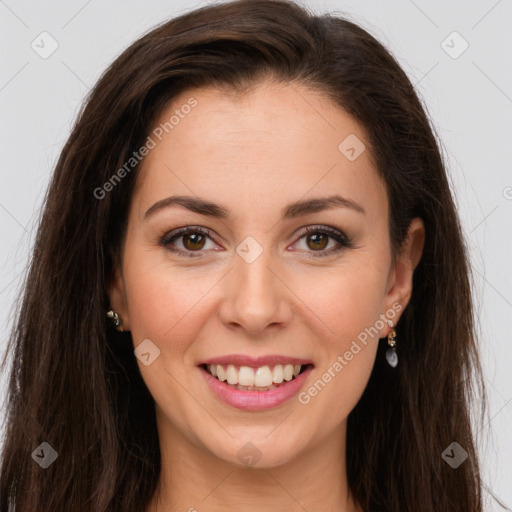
(253,289)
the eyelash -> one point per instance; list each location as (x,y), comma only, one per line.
(343,241)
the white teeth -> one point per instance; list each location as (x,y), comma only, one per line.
(246,376)
(232,374)
(278,375)
(221,374)
(288,372)
(263,377)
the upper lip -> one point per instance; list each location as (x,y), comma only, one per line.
(255,362)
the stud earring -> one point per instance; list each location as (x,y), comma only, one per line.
(116,320)
(391,355)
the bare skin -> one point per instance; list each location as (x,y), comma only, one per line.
(254,154)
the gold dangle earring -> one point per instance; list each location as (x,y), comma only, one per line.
(116,320)
(391,355)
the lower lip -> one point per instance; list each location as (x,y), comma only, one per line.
(256,400)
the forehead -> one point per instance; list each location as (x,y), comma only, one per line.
(271,145)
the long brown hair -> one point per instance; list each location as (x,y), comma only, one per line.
(74,381)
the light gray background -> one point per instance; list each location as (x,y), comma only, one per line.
(468,97)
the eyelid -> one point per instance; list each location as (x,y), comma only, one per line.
(343,241)
(179,232)
(322,228)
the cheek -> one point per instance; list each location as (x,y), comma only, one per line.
(350,309)
(165,304)
(336,388)
(168,306)
(344,300)
(347,306)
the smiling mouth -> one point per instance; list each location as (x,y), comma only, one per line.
(247,378)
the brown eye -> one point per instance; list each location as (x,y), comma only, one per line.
(193,241)
(318,241)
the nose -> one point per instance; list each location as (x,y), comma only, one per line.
(255,296)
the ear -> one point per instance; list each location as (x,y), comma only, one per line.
(399,286)
(118,302)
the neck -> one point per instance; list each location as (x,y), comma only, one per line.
(193,479)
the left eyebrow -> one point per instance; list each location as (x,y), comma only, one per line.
(291,211)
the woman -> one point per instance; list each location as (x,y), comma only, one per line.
(249,289)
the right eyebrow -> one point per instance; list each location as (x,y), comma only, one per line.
(293,210)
